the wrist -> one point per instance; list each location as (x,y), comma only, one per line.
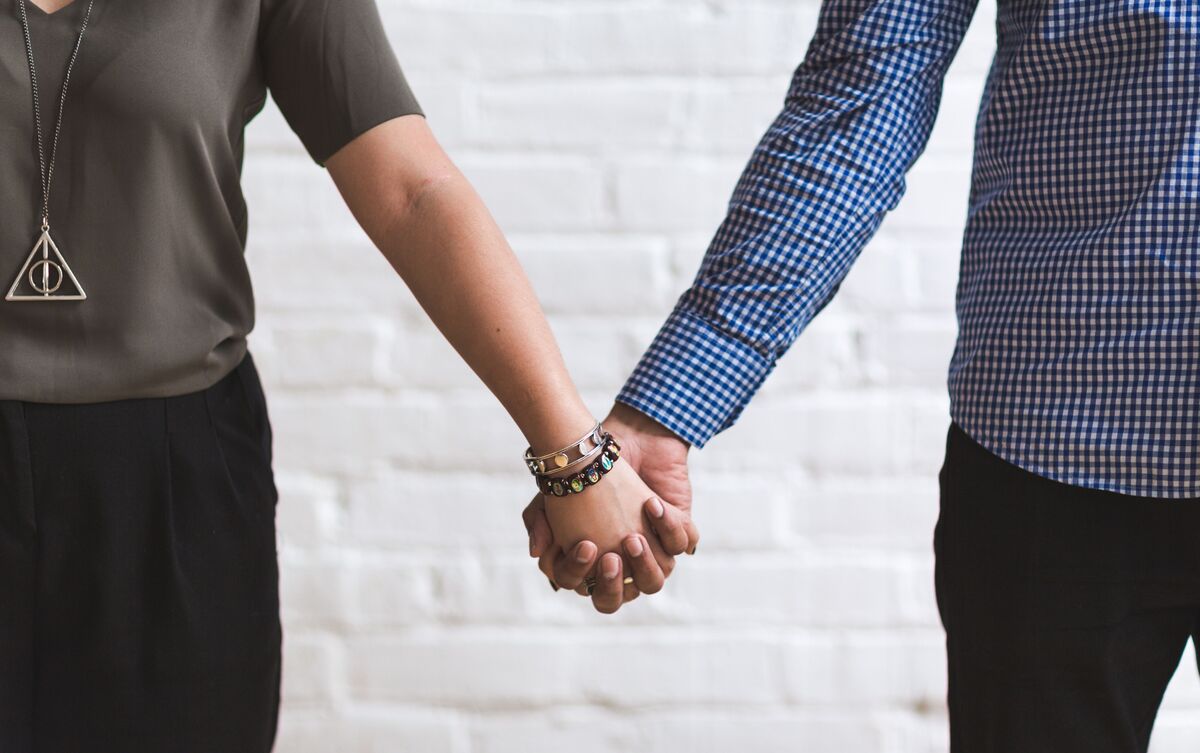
(632,420)
(559,428)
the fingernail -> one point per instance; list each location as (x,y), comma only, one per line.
(552,584)
(610,567)
(634,546)
(694,548)
(656,507)
(532,553)
(583,552)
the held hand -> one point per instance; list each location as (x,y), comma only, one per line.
(660,457)
(646,562)
(609,516)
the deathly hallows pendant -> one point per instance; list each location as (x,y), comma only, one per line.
(45,275)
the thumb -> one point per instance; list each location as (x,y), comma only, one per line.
(541,537)
(674,528)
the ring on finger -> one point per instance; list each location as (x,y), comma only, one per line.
(589,582)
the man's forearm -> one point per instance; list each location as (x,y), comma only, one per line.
(857,115)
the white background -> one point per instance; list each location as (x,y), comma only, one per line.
(606,136)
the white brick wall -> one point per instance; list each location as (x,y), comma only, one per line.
(414,620)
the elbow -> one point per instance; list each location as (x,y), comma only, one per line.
(416,195)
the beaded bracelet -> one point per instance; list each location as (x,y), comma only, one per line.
(561,486)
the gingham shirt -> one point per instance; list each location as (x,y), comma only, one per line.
(1078,302)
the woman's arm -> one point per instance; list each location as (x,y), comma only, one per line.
(428,221)
(432,227)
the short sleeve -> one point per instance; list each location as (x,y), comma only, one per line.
(331,69)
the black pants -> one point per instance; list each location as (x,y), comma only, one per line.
(1066,609)
(139,606)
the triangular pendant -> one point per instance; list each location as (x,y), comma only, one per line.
(45,276)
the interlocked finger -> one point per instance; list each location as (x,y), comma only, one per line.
(647,574)
(671,526)
(609,590)
(570,568)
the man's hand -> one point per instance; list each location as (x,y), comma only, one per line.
(660,458)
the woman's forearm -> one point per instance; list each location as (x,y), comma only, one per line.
(462,271)
(433,228)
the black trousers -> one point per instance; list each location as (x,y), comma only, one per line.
(139,602)
(1066,609)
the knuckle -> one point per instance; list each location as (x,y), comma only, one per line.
(575,570)
(569,580)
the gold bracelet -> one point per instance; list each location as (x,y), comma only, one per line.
(591,455)
(561,458)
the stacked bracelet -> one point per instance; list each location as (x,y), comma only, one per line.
(561,486)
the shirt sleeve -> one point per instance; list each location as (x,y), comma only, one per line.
(857,115)
(331,69)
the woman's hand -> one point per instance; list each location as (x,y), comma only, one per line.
(656,457)
(607,518)
(602,532)
(609,533)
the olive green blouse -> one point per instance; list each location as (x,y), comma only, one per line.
(146,205)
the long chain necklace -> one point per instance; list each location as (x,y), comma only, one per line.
(45,270)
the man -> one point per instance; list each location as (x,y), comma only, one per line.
(1068,540)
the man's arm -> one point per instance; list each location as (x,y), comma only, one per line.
(857,115)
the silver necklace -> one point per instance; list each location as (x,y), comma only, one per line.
(45,271)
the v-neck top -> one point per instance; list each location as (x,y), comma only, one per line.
(146,205)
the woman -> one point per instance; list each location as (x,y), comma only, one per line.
(138,573)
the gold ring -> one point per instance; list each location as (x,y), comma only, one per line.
(590,582)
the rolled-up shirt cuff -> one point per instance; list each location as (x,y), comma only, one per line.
(695,379)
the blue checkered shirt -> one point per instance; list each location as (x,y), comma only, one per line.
(1078,299)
